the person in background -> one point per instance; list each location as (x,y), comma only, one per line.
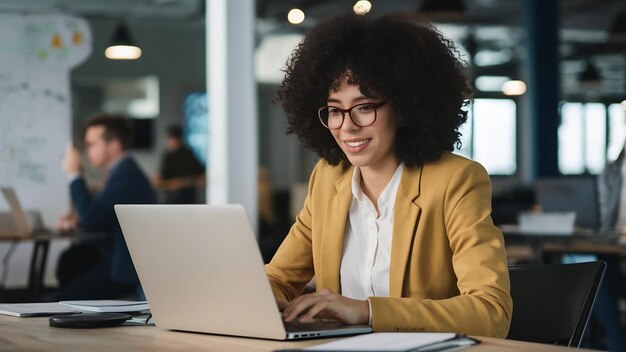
(109,272)
(395,228)
(181,173)
(612,199)
(612,195)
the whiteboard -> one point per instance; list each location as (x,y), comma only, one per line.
(38,52)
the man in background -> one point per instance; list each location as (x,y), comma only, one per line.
(181,174)
(108,271)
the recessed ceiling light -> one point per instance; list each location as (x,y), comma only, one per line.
(362,7)
(295,16)
(514,87)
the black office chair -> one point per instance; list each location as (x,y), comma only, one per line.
(552,303)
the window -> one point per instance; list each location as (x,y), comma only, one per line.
(617,131)
(582,138)
(489,136)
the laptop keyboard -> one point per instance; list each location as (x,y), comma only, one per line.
(295,326)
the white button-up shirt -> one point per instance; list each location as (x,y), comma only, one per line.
(367,241)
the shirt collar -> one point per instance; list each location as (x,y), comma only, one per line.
(357,192)
(388,195)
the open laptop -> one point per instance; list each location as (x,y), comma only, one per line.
(17,222)
(201,270)
(571,193)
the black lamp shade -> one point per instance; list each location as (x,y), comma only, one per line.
(122,46)
(121,36)
(590,75)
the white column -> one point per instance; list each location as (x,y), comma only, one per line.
(233,149)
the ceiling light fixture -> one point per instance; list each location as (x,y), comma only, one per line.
(514,87)
(590,77)
(295,16)
(362,7)
(122,46)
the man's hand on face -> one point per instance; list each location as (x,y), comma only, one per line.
(71,161)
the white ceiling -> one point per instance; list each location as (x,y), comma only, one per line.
(496,25)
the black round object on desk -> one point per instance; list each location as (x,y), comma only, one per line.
(88,320)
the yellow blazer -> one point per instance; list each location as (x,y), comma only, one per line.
(448,270)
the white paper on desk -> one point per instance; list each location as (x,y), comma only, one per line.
(547,223)
(107,306)
(384,341)
(34,309)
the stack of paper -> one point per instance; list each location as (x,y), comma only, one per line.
(547,223)
(107,306)
(402,341)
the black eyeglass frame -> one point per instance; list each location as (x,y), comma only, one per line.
(349,111)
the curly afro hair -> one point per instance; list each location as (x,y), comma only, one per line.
(397,57)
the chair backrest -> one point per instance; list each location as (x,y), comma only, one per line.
(552,303)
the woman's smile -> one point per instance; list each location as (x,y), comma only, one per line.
(356,145)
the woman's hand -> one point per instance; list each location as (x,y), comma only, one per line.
(327,304)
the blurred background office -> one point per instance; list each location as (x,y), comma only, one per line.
(549,105)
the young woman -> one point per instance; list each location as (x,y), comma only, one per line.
(396,229)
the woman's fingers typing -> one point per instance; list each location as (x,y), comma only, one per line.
(327,304)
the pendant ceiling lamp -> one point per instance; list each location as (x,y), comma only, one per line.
(590,77)
(122,46)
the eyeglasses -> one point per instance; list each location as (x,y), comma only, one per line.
(362,115)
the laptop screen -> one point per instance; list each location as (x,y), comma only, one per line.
(22,225)
(571,193)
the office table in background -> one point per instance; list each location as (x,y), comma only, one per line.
(31,334)
(547,245)
(39,256)
(579,246)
